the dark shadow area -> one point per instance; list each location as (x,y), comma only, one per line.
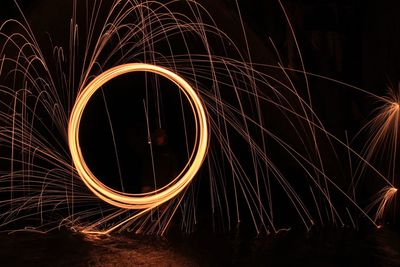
(340,247)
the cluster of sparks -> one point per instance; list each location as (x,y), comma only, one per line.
(45,181)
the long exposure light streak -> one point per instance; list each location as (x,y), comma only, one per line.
(269,157)
(159,196)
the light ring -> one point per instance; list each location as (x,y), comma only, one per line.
(157,197)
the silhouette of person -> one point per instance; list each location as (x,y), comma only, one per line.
(160,166)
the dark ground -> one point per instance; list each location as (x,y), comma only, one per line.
(340,247)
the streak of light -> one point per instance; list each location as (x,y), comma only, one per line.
(159,196)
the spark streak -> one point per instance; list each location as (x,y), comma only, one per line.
(159,196)
(255,127)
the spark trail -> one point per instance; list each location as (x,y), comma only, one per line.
(261,126)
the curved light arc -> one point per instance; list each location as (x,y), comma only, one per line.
(157,197)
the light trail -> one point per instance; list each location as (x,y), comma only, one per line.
(159,196)
(259,164)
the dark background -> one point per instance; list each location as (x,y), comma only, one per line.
(352,41)
(365,34)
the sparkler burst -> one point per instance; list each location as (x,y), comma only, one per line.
(259,146)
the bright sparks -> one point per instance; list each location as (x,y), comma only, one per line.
(387,195)
(269,144)
(157,197)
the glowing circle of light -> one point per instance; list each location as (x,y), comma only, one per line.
(159,196)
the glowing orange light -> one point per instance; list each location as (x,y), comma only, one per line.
(157,197)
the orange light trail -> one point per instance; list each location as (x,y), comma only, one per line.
(157,197)
(261,119)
